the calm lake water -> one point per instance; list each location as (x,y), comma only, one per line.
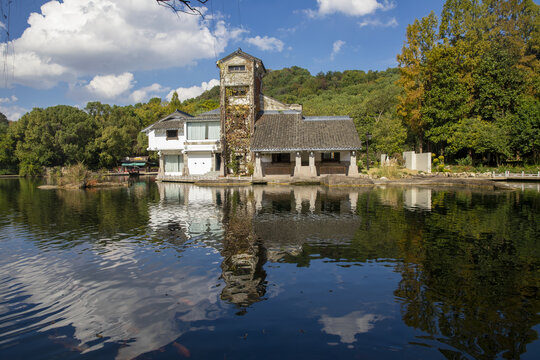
(159,271)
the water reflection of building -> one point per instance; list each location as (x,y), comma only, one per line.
(187,212)
(322,216)
(243,253)
(417,198)
(255,225)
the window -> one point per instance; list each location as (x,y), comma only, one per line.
(281,158)
(330,157)
(172,134)
(174,163)
(203,130)
(237,68)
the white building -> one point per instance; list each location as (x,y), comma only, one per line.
(187,145)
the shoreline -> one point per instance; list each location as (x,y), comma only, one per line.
(329,181)
(343,181)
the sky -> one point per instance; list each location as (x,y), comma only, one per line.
(123,52)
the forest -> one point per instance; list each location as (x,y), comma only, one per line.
(467,87)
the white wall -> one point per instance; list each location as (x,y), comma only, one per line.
(344,156)
(157,140)
(420,162)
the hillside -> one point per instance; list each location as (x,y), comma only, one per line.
(351,92)
(366,97)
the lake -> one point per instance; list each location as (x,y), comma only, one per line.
(165,270)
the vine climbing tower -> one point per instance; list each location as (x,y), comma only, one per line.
(240,101)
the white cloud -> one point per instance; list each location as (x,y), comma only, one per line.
(336,48)
(378,23)
(349,7)
(13,112)
(194,91)
(78,38)
(266,43)
(8,100)
(148,92)
(104,88)
(110,86)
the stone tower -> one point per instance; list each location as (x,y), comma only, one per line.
(240,101)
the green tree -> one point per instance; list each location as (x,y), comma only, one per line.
(4,123)
(415,73)
(389,135)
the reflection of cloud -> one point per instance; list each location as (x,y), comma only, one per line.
(114,294)
(346,327)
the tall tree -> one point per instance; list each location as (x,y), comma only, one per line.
(415,73)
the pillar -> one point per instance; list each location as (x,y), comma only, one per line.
(298,164)
(312,168)
(258,166)
(161,172)
(353,168)
(185,171)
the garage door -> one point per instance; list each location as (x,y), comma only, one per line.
(199,164)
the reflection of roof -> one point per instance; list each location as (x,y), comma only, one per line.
(289,131)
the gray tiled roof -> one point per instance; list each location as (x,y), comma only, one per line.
(174,120)
(292,132)
(169,125)
(213,115)
(177,119)
(216,111)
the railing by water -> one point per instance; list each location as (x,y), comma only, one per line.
(507,175)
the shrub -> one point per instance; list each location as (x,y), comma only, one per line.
(390,172)
(234,165)
(437,164)
(466,161)
(250,168)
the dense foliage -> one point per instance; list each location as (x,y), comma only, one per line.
(471,80)
(100,136)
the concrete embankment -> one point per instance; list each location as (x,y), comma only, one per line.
(345,181)
(445,181)
(336,180)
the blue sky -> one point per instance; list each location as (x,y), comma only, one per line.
(123,52)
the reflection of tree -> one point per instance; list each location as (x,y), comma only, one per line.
(79,215)
(469,278)
(244,256)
